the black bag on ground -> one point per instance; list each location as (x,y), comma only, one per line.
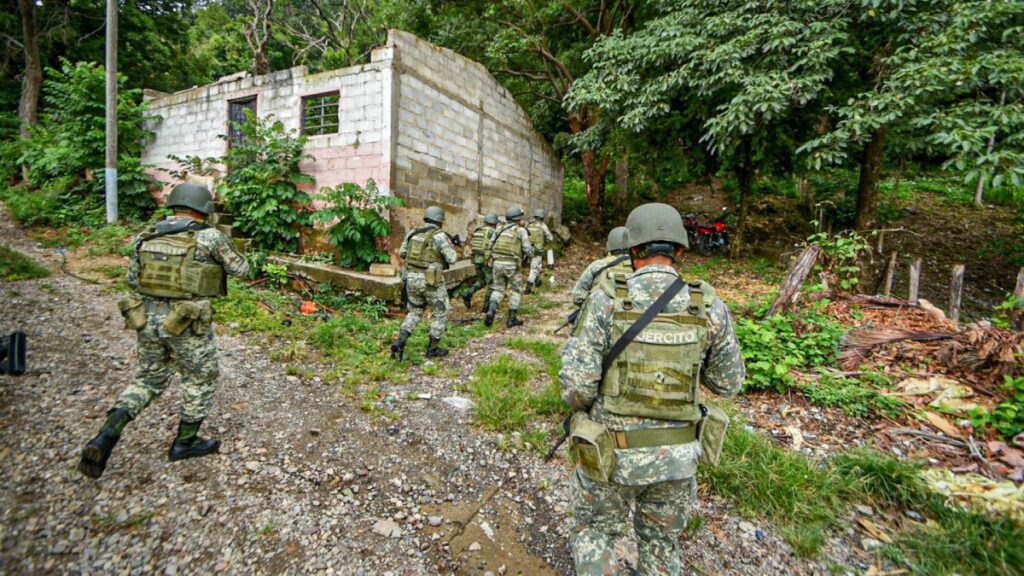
(12,354)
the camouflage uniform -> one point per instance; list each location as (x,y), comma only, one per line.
(538,228)
(597,270)
(659,479)
(484,278)
(420,294)
(506,271)
(191,354)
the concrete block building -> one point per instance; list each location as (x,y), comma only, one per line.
(426,124)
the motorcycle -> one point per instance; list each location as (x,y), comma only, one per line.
(711,238)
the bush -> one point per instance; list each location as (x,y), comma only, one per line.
(32,207)
(262,183)
(355,212)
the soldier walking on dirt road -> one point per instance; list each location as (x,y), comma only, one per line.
(510,248)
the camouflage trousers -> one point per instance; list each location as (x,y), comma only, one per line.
(421,297)
(536,267)
(507,278)
(192,356)
(601,510)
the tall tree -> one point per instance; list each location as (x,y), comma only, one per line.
(32,80)
(258,34)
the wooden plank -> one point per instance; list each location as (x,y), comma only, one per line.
(889,271)
(1017,314)
(956,288)
(915,280)
(790,289)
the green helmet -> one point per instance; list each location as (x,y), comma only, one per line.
(539,214)
(655,223)
(491,219)
(514,214)
(618,240)
(192,196)
(434,214)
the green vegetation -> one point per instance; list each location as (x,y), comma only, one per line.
(505,400)
(16,266)
(855,397)
(1007,418)
(356,222)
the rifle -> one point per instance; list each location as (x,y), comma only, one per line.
(565,435)
(571,319)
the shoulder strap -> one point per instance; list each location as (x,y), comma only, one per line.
(641,323)
(191,226)
(494,238)
(615,262)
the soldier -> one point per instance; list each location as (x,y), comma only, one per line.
(539,236)
(427,251)
(638,398)
(176,267)
(479,243)
(616,262)
(509,247)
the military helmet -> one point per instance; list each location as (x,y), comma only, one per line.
(539,213)
(491,219)
(514,214)
(618,240)
(192,196)
(655,223)
(434,214)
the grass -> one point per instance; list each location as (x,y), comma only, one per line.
(100,241)
(855,397)
(15,266)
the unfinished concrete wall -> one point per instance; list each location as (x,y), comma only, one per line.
(190,121)
(461,141)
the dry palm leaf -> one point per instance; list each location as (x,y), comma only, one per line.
(857,344)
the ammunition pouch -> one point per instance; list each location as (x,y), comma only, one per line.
(434,276)
(134,312)
(188,313)
(593,446)
(712,433)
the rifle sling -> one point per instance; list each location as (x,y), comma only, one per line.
(641,323)
(622,258)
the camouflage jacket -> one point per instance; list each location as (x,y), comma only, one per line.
(524,240)
(441,241)
(723,372)
(590,276)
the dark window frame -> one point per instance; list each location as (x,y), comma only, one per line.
(239,104)
(321,124)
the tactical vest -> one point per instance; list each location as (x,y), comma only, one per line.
(422,251)
(480,239)
(624,268)
(168,268)
(658,373)
(508,245)
(536,231)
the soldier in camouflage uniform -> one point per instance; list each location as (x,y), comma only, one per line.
(509,249)
(427,251)
(176,267)
(645,406)
(539,236)
(617,261)
(480,243)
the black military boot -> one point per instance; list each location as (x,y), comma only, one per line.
(398,346)
(435,351)
(512,320)
(189,444)
(467,298)
(487,303)
(529,287)
(492,309)
(97,451)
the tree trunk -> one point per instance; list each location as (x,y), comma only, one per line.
(32,82)
(621,187)
(744,178)
(257,35)
(594,170)
(870,176)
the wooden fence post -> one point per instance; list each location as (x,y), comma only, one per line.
(889,271)
(790,289)
(956,288)
(915,279)
(1017,314)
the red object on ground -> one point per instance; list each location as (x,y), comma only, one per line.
(308,307)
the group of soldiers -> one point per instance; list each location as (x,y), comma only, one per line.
(643,343)
(499,253)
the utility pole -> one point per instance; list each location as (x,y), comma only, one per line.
(110,166)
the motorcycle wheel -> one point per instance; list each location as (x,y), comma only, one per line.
(704,245)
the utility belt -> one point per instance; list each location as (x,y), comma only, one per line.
(595,445)
(433,274)
(181,315)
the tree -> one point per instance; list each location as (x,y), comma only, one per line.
(257,34)
(32,81)
(744,73)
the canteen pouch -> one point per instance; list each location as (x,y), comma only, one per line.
(201,325)
(434,276)
(181,316)
(712,433)
(134,312)
(593,446)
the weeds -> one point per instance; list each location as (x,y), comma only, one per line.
(15,266)
(853,396)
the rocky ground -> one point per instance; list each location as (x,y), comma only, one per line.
(306,482)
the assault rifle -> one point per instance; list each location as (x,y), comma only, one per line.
(561,440)
(571,319)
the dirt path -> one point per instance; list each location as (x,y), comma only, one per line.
(305,482)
